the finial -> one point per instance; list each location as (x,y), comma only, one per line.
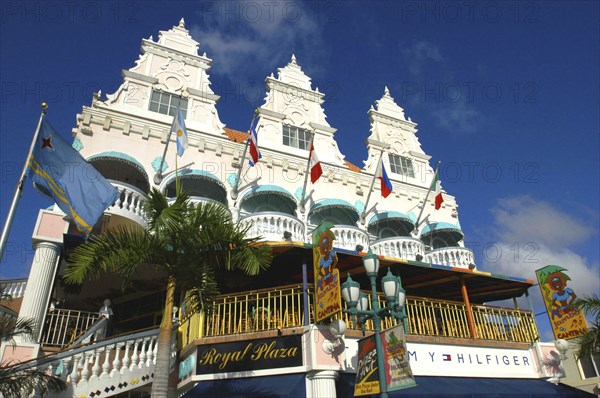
(386,91)
(44,107)
(317,89)
(182,23)
(293,61)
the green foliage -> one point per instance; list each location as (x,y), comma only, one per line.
(589,343)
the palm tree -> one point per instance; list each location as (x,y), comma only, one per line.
(189,243)
(588,343)
(15,380)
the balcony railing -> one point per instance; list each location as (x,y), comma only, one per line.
(130,203)
(348,237)
(452,256)
(63,326)
(405,248)
(272,226)
(280,308)
(248,312)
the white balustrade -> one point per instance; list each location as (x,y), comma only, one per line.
(402,247)
(271,226)
(130,203)
(452,256)
(348,237)
(14,288)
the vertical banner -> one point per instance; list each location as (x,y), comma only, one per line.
(328,298)
(567,321)
(398,374)
(367,377)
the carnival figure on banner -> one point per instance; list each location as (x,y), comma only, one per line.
(328,259)
(563,296)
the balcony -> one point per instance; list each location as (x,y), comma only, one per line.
(271,226)
(402,247)
(348,237)
(452,256)
(129,204)
(282,307)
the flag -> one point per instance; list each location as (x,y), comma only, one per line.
(437,187)
(178,128)
(76,186)
(315,166)
(386,185)
(254,151)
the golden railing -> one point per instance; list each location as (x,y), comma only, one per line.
(282,307)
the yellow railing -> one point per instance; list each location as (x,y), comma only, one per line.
(282,307)
(249,312)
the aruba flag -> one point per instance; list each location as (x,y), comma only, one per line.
(60,172)
(254,151)
(386,184)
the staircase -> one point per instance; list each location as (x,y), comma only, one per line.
(105,368)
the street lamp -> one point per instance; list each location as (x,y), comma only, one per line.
(358,306)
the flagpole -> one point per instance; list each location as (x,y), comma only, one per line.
(312,139)
(158,177)
(437,169)
(19,187)
(364,213)
(234,191)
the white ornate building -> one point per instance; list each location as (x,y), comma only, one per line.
(124,134)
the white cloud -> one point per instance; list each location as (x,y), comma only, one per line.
(247,38)
(459,117)
(530,234)
(420,53)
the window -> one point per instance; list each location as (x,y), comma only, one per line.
(166,103)
(296,137)
(401,165)
(590,366)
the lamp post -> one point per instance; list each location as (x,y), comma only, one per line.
(358,306)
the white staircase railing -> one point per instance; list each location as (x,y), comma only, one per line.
(104,369)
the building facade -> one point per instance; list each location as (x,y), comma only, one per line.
(451,332)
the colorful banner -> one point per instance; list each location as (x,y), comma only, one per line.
(567,321)
(367,377)
(328,298)
(398,374)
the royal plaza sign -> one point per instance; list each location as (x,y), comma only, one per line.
(276,352)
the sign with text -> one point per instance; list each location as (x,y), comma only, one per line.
(328,298)
(367,377)
(398,374)
(567,321)
(236,356)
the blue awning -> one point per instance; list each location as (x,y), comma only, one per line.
(270,190)
(328,203)
(118,155)
(439,226)
(200,174)
(390,215)
(450,387)
(280,386)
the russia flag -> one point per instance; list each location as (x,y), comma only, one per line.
(386,185)
(254,151)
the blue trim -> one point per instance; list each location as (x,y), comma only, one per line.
(325,203)
(269,189)
(200,173)
(118,155)
(387,215)
(437,226)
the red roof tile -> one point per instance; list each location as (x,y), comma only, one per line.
(235,135)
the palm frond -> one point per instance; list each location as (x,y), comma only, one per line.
(589,304)
(19,383)
(164,218)
(121,250)
(10,327)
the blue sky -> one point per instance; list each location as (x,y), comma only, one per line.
(505,94)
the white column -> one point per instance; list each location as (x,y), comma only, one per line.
(322,384)
(39,284)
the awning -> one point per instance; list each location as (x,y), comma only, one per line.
(200,174)
(444,230)
(439,386)
(337,211)
(393,220)
(268,198)
(118,155)
(280,386)
(268,190)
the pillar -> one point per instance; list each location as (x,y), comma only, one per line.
(322,384)
(39,284)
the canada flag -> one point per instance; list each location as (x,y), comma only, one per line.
(314,165)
